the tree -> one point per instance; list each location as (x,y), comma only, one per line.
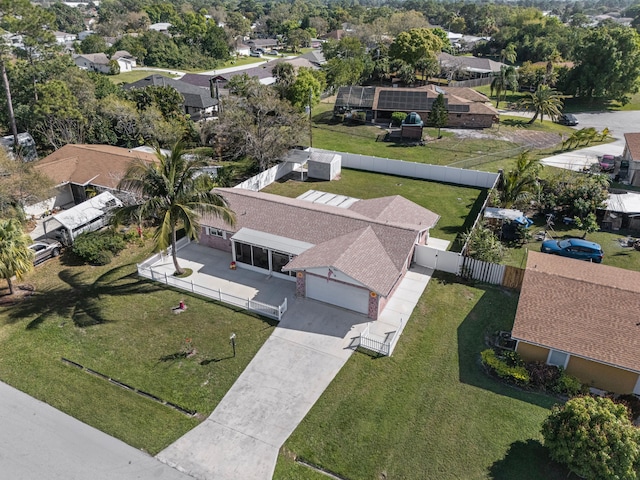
(68,19)
(483,244)
(305,90)
(438,116)
(20,185)
(297,38)
(509,54)
(168,193)
(507,79)
(544,101)
(92,44)
(595,438)
(607,64)
(415,45)
(520,184)
(284,74)
(259,125)
(16,258)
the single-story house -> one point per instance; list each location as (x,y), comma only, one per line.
(198,101)
(622,211)
(466,107)
(242,49)
(353,257)
(125,60)
(94,62)
(162,27)
(583,317)
(64,37)
(463,67)
(631,158)
(79,171)
(263,43)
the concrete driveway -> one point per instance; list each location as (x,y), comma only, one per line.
(39,442)
(242,437)
(618,122)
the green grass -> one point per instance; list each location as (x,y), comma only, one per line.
(135,75)
(456,205)
(362,139)
(429,411)
(107,319)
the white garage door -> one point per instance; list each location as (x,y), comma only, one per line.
(339,294)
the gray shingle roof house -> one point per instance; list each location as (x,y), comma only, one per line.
(197,100)
(351,257)
(467,67)
(583,317)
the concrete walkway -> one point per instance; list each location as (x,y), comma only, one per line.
(242,437)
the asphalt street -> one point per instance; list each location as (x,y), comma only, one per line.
(38,442)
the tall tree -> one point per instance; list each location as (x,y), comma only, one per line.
(544,101)
(306,89)
(519,184)
(507,79)
(16,258)
(168,192)
(415,45)
(438,116)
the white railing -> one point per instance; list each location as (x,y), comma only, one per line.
(273,311)
(366,341)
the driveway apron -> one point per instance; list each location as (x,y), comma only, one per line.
(242,437)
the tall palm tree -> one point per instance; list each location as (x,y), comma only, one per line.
(15,256)
(544,101)
(520,184)
(169,193)
(507,79)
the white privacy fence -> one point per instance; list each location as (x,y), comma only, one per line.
(437,173)
(377,344)
(263,179)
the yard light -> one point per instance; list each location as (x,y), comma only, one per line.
(232,340)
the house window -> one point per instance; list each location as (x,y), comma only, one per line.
(260,257)
(214,232)
(279,260)
(243,253)
(559,359)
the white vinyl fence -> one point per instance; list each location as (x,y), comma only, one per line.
(263,179)
(377,344)
(437,173)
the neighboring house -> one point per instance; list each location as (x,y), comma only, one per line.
(63,37)
(465,68)
(84,34)
(334,35)
(353,257)
(242,49)
(198,101)
(631,159)
(263,43)
(466,107)
(81,170)
(583,317)
(622,211)
(162,27)
(27,146)
(94,62)
(315,57)
(125,60)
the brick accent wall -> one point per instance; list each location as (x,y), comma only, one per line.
(373,307)
(300,284)
(469,120)
(212,241)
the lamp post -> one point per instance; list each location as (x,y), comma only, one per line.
(232,340)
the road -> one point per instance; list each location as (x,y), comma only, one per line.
(618,123)
(39,442)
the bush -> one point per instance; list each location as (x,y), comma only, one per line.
(513,373)
(631,402)
(98,248)
(397,118)
(542,375)
(568,385)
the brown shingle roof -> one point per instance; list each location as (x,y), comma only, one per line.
(633,144)
(391,241)
(396,209)
(582,308)
(101,165)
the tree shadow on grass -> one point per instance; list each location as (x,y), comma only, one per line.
(78,300)
(469,219)
(528,461)
(494,311)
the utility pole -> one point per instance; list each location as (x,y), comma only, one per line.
(310,131)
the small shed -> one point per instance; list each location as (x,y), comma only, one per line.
(88,216)
(622,211)
(324,166)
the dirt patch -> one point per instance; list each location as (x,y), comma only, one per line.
(525,138)
(20,292)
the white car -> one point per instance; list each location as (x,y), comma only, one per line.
(44,250)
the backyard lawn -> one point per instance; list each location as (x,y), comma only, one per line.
(456,205)
(108,320)
(429,411)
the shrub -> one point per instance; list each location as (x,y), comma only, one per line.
(516,374)
(98,248)
(568,385)
(397,118)
(631,402)
(542,375)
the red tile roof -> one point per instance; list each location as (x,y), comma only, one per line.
(585,309)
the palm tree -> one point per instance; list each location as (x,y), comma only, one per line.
(509,53)
(507,79)
(15,256)
(544,101)
(169,193)
(520,184)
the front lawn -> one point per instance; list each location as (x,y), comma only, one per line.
(456,205)
(429,411)
(109,320)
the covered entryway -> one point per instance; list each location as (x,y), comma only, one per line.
(337,293)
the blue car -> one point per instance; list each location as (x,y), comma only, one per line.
(574,248)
